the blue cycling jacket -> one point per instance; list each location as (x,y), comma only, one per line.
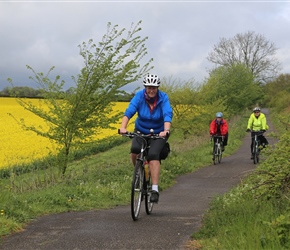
(147,120)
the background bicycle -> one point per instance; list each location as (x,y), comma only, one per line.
(256,144)
(217,148)
(141,186)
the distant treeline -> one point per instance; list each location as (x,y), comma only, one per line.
(29,92)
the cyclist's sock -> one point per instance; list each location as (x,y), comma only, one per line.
(155,187)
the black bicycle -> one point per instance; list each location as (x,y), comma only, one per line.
(141,183)
(217,149)
(256,145)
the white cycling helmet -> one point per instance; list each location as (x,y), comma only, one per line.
(256,109)
(151,80)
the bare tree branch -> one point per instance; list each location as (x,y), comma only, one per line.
(250,49)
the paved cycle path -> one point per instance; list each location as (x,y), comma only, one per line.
(177,215)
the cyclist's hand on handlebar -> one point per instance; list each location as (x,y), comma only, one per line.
(163,133)
(122,131)
(263,130)
(248,130)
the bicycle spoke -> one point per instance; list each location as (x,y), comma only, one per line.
(217,150)
(148,204)
(137,190)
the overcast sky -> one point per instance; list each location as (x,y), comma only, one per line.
(181,34)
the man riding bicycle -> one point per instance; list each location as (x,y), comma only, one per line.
(219,127)
(257,122)
(154,112)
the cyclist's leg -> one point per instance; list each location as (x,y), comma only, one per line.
(154,162)
(263,141)
(214,148)
(222,143)
(214,143)
(135,150)
(156,147)
(225,141)
(252,143)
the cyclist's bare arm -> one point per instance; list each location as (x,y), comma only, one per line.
(123,128)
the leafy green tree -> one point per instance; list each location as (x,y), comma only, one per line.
(233,86)
(189,116)
(251,49)
(73,117)
(277,92)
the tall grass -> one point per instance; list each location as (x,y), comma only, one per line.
(243,224)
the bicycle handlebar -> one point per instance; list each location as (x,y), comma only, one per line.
(258,132)
(218,136)
(215,136)
(139,134)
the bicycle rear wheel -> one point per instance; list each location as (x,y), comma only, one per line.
(137,190)
(148,204)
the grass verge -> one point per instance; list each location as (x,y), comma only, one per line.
(255,214)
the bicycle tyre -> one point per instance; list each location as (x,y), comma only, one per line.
(148,203)
(255,153)
(137,190)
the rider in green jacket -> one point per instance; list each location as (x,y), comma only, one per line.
(257,122)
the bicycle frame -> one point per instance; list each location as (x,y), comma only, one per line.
(256,145)
(140,186)
(217,149)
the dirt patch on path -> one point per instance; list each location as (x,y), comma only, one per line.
(170,226)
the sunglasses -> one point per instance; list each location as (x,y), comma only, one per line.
(257,111)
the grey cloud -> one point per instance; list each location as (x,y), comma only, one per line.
(181,34)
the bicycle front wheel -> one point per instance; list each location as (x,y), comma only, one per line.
(148,190)
(256,153)
(137,190)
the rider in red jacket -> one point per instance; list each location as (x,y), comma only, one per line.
(219,126)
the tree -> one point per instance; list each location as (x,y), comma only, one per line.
(21,91)
(233,86)
(189,115)
(277,92)
(74,116)
(250,49)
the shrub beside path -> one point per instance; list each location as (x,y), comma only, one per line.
(177,215)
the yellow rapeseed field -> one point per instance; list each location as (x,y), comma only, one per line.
(19,146)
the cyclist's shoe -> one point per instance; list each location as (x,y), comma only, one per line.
(154,196)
